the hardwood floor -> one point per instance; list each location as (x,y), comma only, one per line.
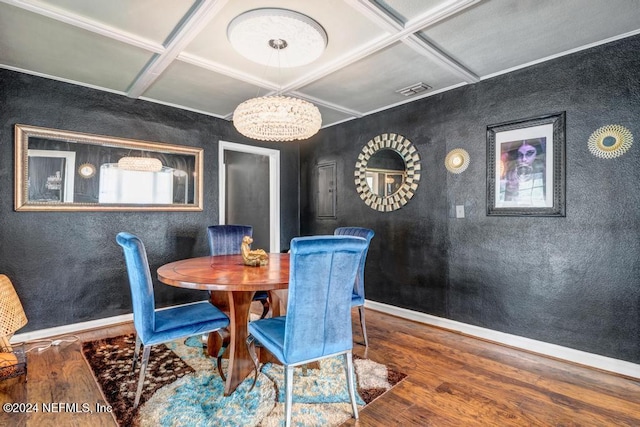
(453,380)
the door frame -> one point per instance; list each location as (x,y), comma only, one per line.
(274,186)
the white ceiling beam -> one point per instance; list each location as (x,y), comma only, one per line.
(379,16)
(396,32)
(226,71)
(340,63)
(406,33)
(203,12)
(87,24)
(198,18)
(424,48)
(326,104)
(437,14)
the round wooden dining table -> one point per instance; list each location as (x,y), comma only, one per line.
(232,286)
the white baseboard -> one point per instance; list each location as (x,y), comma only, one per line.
(576,356)
(71,329)
(79,327)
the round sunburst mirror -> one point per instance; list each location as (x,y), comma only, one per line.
(387,172)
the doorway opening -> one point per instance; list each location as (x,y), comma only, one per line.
(249,189)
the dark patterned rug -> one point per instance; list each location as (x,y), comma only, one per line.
(183,387)
(110,361)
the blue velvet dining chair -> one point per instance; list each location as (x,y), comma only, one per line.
(158,326)
(226,240)
(357,298)
(318,320)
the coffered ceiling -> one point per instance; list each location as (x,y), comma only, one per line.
(176,52)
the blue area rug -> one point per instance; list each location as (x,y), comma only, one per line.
(185,389)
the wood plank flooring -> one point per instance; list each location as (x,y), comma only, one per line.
(453,380)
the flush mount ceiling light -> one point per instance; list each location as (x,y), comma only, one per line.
(258,35)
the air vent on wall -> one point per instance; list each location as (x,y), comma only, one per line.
(414,89)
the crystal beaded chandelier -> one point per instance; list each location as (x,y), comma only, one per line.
(277,118)
(145,164)
(254,35)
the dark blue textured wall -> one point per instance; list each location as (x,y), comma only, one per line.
(66,266)
(572,281)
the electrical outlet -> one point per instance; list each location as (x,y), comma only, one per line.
(459,211)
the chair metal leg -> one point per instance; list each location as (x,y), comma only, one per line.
(136,352)
(265,308)
(288,394)
(251,347)
(143,369)
(363,325)
(226,339)
(352,389)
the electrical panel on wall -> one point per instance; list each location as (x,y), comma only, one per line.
(326,190)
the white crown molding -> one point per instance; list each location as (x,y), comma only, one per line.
(326,104)
(226,71)
(202,13)
(87,24)
(50,77)
(561,54)
(406,33)
(183,35)
(414,98)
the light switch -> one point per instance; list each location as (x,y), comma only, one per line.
(459,211)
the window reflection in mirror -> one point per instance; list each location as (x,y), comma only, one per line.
(50,179)
(385,172)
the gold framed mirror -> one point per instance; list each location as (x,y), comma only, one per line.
(58,170)
(387,172)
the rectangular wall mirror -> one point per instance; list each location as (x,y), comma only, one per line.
(58,170)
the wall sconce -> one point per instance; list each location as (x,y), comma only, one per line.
(457,161)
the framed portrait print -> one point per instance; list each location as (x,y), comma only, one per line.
(526,167)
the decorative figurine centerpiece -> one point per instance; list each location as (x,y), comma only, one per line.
(253,258)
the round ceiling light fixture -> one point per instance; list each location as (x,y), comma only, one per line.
(142,164)
(277,118)
(258,33)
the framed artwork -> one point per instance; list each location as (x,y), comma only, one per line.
(526,167)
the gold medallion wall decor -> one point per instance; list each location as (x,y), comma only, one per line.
(457,161)
(387,172)
(610,141)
